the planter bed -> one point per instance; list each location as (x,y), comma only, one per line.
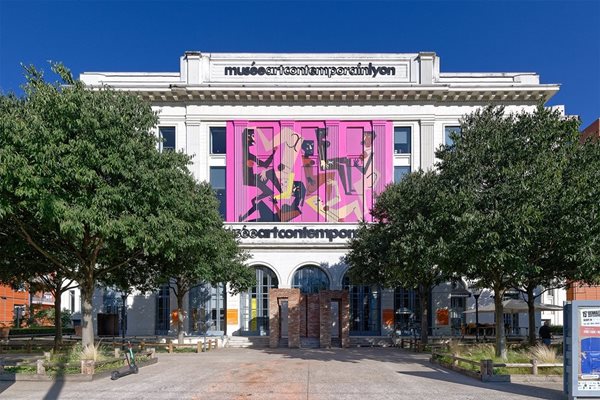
(75,376)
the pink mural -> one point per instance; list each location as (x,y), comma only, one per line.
(306,171)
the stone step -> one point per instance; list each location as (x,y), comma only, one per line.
(247,341)
(309,343)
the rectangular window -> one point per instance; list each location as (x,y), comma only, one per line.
(72,301)
(217,180)
(399,173)
(402,140)
(217,140)
(447,131)
(167,136)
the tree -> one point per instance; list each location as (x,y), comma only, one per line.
(21,266)
(404,246)
(511,199)
(82,182)
(208,254)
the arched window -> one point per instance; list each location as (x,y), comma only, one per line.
(254,305)
(365,308)
(310,279)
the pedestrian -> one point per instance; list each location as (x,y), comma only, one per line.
(545,333)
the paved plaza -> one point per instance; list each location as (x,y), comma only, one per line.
(285,374)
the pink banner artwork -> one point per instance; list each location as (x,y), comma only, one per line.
(306,171)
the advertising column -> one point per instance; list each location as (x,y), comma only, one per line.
(588,378)
(582,349)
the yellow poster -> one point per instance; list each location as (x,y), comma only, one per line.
(253,310)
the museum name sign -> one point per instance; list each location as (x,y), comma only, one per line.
(328,71)
(275,232)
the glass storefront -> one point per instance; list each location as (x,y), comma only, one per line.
(207,308)
(365,308)
(407,316)
(254,304)
(162,317)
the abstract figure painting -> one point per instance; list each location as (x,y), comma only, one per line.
(306,171)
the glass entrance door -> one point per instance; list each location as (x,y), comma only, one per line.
(255,304)
(283,318)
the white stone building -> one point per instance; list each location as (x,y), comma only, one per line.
(297,146)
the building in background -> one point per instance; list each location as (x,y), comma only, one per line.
(13,305)
(577,291)
(591,131)
(297,147)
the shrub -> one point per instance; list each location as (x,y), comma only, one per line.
(556,329)
(543,354)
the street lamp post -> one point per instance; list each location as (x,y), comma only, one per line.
(476,294)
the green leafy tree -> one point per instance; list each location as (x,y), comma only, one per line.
(20,266)
(208,254)
(82,182)
(404,246)
(510,198)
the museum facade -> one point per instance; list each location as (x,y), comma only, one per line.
(297,148)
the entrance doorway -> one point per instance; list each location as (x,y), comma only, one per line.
(283,318)
(254,304)
(336,325)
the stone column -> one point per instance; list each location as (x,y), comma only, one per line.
(325,319)
(427,145)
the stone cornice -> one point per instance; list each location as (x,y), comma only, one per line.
(362,95)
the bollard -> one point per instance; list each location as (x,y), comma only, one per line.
(170,347)
(483,370)
(534,367)
(47,355)
(152,351)
(198,347)
(490,367)
(117,352)
(454,360)
(87,367)
(40,369)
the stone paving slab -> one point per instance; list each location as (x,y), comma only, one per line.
(286,374)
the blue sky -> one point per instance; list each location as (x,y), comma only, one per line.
(560,40)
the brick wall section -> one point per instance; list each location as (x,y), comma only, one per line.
(577,292)
(325,298)
(293,298)
(317,307)
(593,131)
(302,309)
(8,300)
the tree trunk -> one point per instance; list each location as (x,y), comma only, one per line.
(531,315)
(57,321)
(180,330)
(500,336)
(424,295)
(87,328)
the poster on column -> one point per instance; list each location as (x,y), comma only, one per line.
(588,378)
